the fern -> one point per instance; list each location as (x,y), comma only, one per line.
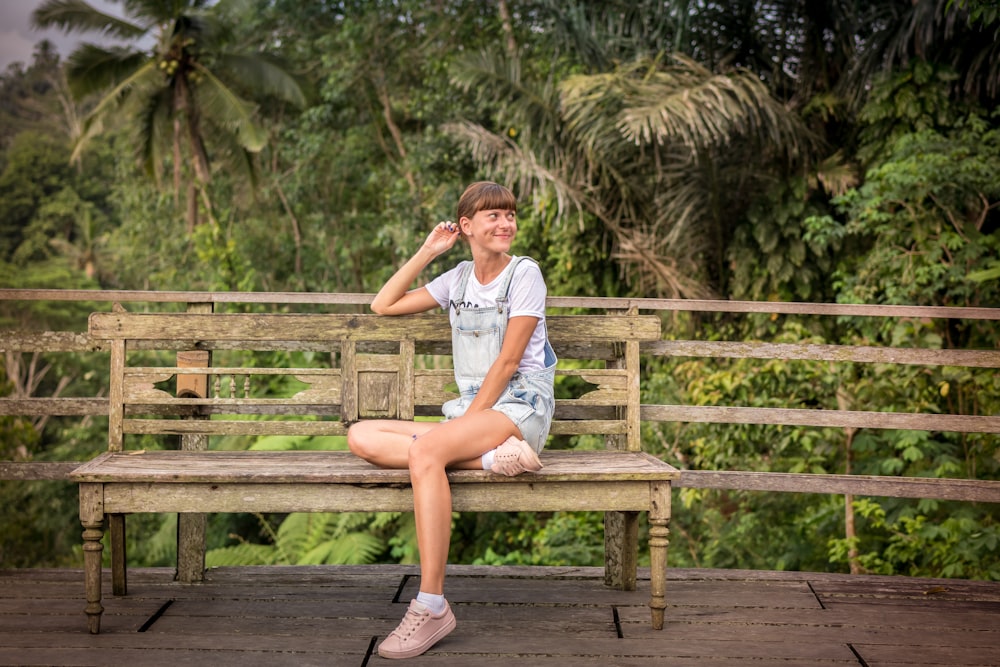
(305,538)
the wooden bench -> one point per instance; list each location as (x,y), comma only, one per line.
(371,367)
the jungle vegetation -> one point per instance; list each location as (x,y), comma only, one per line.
(826,151)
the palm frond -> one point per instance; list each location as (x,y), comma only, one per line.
(228,110)
(158,11)
(496,78)
(79,16)
(146,76)
(836,175)
(513,164)
(266,74)
(92,68)
(685,102)
(153,132)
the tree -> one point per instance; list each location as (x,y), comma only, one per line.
(184,95)
(664,152)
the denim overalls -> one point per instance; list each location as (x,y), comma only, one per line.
(476,338)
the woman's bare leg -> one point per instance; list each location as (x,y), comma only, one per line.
(448,445)
(386,443)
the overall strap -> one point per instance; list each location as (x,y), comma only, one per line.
(463,282)
(502,293)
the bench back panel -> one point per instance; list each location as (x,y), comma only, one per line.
(367,366)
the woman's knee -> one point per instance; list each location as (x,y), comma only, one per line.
(357,440)
(424,458)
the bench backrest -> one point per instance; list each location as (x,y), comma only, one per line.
(369,366)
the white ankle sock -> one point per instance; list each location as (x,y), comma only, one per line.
(487,459)
(432,601)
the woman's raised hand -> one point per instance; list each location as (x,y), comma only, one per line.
(442,237)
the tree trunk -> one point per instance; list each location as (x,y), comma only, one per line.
(508,28)
(192,207)
(844,403)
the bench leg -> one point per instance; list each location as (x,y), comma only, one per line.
(119,575)
(92,518)
(659,521)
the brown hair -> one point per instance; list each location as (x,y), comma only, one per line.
(485,195)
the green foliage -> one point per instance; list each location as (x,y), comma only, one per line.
(910,101)
(308,538)
(950,540)
(771,256)
(924,214)
(658,149)
(574,538)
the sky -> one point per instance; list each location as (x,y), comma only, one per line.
(18,39)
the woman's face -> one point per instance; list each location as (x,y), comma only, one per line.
(493,229)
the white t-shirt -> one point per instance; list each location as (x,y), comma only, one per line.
(526,296)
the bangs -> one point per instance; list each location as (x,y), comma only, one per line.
(497,197)
(485,196)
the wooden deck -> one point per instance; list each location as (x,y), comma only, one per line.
(335,615)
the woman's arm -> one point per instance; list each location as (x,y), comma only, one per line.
(396,297)
(515,341)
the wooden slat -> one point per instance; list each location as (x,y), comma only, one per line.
(337,467)
(331,327)
(227,370)
(972,490)
(234,427)
(225,405)
(69,407)
(539,496)
(838,353)
(37,470)
(589,426)
(831,418)
(49,341)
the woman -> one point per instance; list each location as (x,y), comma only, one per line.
(504,367)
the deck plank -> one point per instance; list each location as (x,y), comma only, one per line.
(552,617)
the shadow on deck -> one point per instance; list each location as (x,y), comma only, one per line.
(335,615)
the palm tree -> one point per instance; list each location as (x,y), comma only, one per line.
(662,151)
(184,97)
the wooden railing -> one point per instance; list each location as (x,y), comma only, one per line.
(20,347)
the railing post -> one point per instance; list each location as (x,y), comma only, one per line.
(621,529)
(191,528)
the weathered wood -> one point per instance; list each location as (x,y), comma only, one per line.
(92,518)
(337,467)
(250,328)
(973,490)
(221,427)
(192,527)
(717,414)
(116,397)
(49,341)
(37,470)
(546,616)
(69,407)
(813,352)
